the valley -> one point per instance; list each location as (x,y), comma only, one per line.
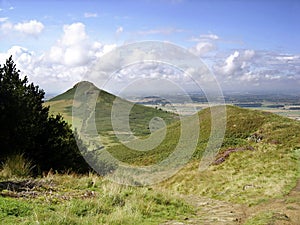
(282,104)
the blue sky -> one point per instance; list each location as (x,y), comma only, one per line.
(247,44)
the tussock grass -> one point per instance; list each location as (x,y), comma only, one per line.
(16,166)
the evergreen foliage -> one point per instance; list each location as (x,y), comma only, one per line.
(27,128)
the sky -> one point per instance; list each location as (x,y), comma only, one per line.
(247,45)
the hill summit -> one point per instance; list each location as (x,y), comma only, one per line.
(139,115)
(70,93)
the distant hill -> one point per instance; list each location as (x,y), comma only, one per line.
(139,116)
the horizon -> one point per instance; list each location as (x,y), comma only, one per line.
(226,93)
(248,46)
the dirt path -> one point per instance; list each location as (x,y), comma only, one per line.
(286,211)
(212,212)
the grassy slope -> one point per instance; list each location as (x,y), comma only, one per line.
(140,115)
(271,170)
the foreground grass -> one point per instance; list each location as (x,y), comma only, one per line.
(72,199)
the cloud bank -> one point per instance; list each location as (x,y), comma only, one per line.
(73,53)
(64,64)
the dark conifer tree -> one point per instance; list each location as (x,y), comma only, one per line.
(26,126)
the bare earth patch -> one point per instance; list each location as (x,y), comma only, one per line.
(285,211)
(47,189)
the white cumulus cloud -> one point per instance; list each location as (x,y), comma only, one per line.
(32,27)
(209,36)
(202,48)
(24,59)
(6,27)
(205,37)
(205,43)
(64,63)
(164,31)
(249,69)
(73,48)
(74,34)
(236,63)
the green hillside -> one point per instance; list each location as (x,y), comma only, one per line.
(258,160)
(243,126)
(139,116)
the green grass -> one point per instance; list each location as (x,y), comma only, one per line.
(266,218)
(262,218)
(249,177)
(139,116)
(72,199)
(14,208)
(246,177)
(241,124)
